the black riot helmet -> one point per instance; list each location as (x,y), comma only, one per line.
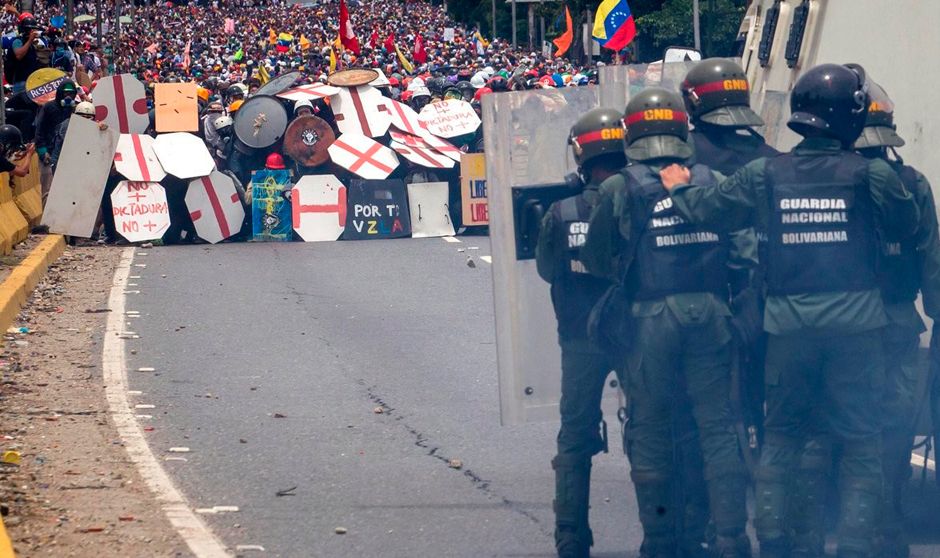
(598,133)
(10,138)
(830,100)
(235,92)
(657,126)
(880,130)
(716,92)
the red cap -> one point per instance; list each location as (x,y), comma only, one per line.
(274,162)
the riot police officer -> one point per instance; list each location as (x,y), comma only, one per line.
(818,208)
(596,141)
(677,275)
(906,267)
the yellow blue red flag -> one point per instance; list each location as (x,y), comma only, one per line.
(614,27)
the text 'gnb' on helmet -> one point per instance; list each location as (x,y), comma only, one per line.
(830,100)
(716,92)
(657,126)
(597,133)
(880,130)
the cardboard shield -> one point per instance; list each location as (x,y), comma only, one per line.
(404,118)
(318,207)
(79,181)
(215,207)
(176,107)
(140,210)
(363,156)
(353,77)
(136,160)
(473,197)
(361,110)
(183,155)
(270,210)
(381,80)
(430,210)
(278,84)
(307,140)
(377,209)
(311,91)
(42,84)
(260,122)
(450,118)
(423,155)
(120,102)
(443,146)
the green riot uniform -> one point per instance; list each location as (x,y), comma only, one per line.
(824,315)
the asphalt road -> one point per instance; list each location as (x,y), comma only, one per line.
(324,334)
(271,360)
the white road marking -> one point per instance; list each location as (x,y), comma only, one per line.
(197,535)
(487,259)
(919,461)
(451,239)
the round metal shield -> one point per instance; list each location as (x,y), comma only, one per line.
(278,84)
(260,122)
(307,140)
(352,78)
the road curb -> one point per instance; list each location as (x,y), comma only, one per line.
(15,289)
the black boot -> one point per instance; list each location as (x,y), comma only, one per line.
(656,503)
(573,538)
(728,499)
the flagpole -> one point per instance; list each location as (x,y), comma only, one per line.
(695,25)
(514,45)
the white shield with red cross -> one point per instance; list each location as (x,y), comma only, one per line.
(423,155)
(450,118)
(312,91)
(121,103)
(363,156)
(135,159)
(404,118)
(318,208)
(183,155)
(215,207)
(361,110)
(140,210)
(443,146)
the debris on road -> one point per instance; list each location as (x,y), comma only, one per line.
(470,263)
(248,547)
(455,464)
(286,492)
(378,410)
(279,415)
(340,531)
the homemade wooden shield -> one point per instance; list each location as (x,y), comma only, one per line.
(353,77)
(260,122)
(377,209)
(363,156)
(361,110)
(404,117)
(474,201)
(318,207)
(120,102)
(430,210)
(270,210)
(183,155)
(308,139)
(450,118)
(140,210)
(215,207)
(176,107)
(278,84)
(423,155)
(136,160)
(79,181)
(42,84)
(311,91)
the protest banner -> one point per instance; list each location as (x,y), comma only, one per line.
(475,207)
(42,84)
(140,210)
(377,209)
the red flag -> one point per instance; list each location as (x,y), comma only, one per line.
(420,55)
(347,35)
(374,39)
(564,41)
(389,43)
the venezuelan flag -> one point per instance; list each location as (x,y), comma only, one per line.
(614,27)
(284,41)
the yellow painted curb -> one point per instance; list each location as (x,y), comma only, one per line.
(15,289)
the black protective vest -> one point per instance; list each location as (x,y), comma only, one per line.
(821,228)
(673,256)
(900,265)
(726,151)
(16,71)
(574,290)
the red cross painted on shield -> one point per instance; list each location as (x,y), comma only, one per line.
(409,140)
(420,152)
(298,208)
(216,207)
(407,123)
(360,111)
(363,158)
(314,90)
(141,160)
(120,100)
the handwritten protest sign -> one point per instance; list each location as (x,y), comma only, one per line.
(473,189)
(140,210)
(377,209)
(449,118)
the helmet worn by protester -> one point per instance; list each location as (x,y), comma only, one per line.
(274,162)
(481,92)
(657,126)
(222,122)
(85,108)
(880,130)
(303,103)
(234,91)
(597,133)
(236,104)
(830,100)
(716,92)
(478,81)
(10,136)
